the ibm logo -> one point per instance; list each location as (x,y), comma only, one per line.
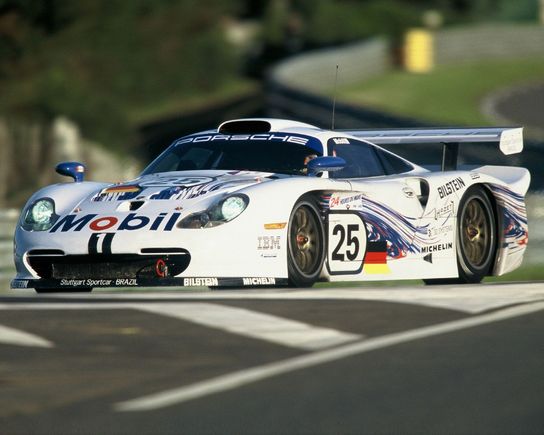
(269,243)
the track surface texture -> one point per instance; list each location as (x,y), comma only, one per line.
(446,359)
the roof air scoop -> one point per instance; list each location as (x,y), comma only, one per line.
(245,126)
(260,125)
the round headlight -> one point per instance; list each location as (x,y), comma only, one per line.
(218,213)
(232,207)
(40,216)
(42,211)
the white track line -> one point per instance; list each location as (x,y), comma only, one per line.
(255,374)
(253,324)
(20,338)
(239,321)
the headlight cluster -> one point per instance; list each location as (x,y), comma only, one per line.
(40,216)
(219,213)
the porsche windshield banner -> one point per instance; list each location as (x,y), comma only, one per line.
(300,139)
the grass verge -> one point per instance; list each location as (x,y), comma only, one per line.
(451,94)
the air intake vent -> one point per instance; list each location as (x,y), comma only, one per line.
(45,252)
(135,205)
(245,126)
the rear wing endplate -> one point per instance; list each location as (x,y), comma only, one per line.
(510,139)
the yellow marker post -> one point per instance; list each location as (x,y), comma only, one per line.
(418,51)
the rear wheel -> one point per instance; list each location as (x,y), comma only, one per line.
(476,238)
(306,251)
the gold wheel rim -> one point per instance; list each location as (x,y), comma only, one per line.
(475,233)
(305,240)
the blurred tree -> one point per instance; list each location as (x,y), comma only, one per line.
(519,10)
(94,60)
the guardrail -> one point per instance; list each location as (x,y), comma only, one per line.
(8,219)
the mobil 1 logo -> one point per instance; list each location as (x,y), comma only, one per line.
(346,243)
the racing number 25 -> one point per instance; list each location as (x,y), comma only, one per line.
(351,240)
(347,243)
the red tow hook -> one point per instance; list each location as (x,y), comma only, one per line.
(161,269)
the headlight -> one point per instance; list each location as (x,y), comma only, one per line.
(222,211)
(232,207)
(40,216)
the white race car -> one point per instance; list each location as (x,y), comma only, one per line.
(279,202)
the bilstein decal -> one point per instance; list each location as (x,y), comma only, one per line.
(451,187)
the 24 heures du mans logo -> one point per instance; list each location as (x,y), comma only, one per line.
(133,221)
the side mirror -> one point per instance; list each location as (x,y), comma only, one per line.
(75,170)
(328,163)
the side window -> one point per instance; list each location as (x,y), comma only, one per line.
(361,158)
(391,163)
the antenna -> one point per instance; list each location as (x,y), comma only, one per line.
(334,97)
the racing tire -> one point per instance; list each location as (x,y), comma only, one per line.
(476,238)
(305,244)
(64,290)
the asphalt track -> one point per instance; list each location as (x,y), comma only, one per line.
(519,105)
(446,359)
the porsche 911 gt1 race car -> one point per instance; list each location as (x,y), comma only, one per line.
(261,202)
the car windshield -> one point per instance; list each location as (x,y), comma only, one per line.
(263,155)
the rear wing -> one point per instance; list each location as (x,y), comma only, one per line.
(510,139)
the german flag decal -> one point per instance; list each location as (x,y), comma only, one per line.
(375,262)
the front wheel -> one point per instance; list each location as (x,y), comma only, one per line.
(306,251)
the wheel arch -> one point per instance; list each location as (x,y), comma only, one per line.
(485,191)
(499,219)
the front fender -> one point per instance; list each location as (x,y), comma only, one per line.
(66,195)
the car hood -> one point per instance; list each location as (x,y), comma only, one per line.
(179,187)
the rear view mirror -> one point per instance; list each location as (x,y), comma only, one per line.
(322,164)
(75,170)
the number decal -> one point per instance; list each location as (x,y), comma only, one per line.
(338,229)
(100,243)
(352,240)
(347,243)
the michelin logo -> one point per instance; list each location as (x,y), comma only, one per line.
(259,281)
(436,248)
